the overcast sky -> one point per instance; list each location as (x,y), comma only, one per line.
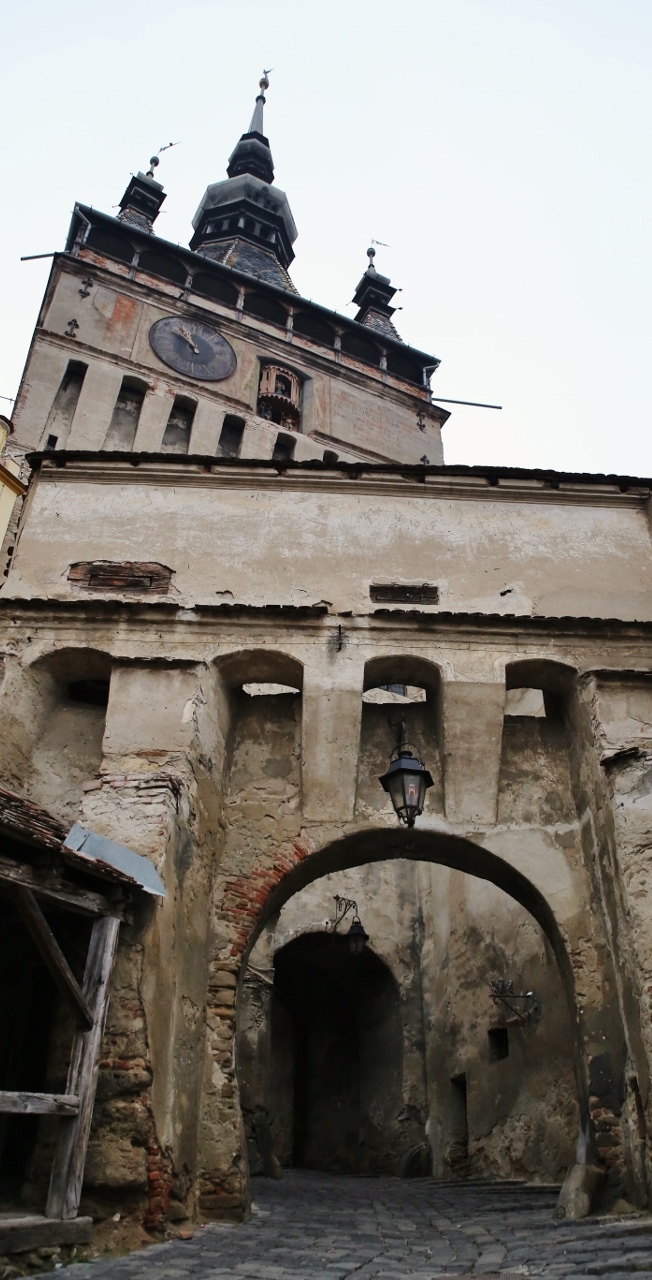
(500,147)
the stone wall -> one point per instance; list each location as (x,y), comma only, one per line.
(244,802)
(443,936)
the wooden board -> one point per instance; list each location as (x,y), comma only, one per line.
(35,1232)
(17,1103)
(70,1156)
(54,889)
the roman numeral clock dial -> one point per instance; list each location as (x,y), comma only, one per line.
(193,348)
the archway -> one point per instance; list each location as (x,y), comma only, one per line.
(328,1080)
(540,877)
(469,1087)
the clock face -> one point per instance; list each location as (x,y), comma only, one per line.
(193,348)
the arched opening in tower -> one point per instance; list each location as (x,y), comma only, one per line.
(401,1061)
(336,1054)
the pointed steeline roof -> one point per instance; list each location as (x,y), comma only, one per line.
(252,153)
(142,200)
(373,296)
(246,222)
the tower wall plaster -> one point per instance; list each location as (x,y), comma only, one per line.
(347,405)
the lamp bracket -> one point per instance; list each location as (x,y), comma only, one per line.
(342,908)
(502,993)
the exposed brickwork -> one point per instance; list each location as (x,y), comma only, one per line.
(159,1185)
(245,896)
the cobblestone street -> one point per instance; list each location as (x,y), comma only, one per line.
(327,1228)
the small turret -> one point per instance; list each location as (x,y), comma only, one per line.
(373,296)
(141,202)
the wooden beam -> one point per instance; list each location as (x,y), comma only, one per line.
(37,1104)
(83,900)
(52,954)
(68,1169)
(31,1231)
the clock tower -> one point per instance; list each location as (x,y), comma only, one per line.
(145,347)
(241,583)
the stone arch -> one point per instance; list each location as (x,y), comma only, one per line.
(264,665)
(405,668)
(380,725)
(246,901)
(53,711)
(556,680)
(71,689)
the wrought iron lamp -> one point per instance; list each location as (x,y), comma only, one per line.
(407,781)
(502,992)
(356,935)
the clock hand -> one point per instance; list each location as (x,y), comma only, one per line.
(183,333)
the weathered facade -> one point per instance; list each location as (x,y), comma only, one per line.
(238,526)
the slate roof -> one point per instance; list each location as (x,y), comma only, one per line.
(252,259)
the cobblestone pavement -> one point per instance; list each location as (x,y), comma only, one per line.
(324,1227)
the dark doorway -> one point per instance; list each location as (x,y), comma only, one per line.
(458,1151)
(336,1058)
(35,1042)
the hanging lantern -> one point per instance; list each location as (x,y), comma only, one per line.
(407,781)
(357,937)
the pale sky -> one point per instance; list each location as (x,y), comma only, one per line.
(500,147)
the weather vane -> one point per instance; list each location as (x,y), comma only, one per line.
(154,161)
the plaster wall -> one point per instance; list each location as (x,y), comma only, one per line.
(239,799)
(349,405)
(301,540)
(521,1109)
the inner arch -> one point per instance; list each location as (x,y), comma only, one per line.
(460,854)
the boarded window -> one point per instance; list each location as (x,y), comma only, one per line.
(212,286)
(315,327)
(176,438)
(266,308)
(124,419)
(230,440)
(116,577)
(62,412)
(358,346)
(284,448)
(401,593)
(403,367)
(161,264)
(110,244)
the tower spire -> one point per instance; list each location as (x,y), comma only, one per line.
(252,153)
(245,221)
(256,125)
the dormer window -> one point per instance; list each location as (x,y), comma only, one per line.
(279,397)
